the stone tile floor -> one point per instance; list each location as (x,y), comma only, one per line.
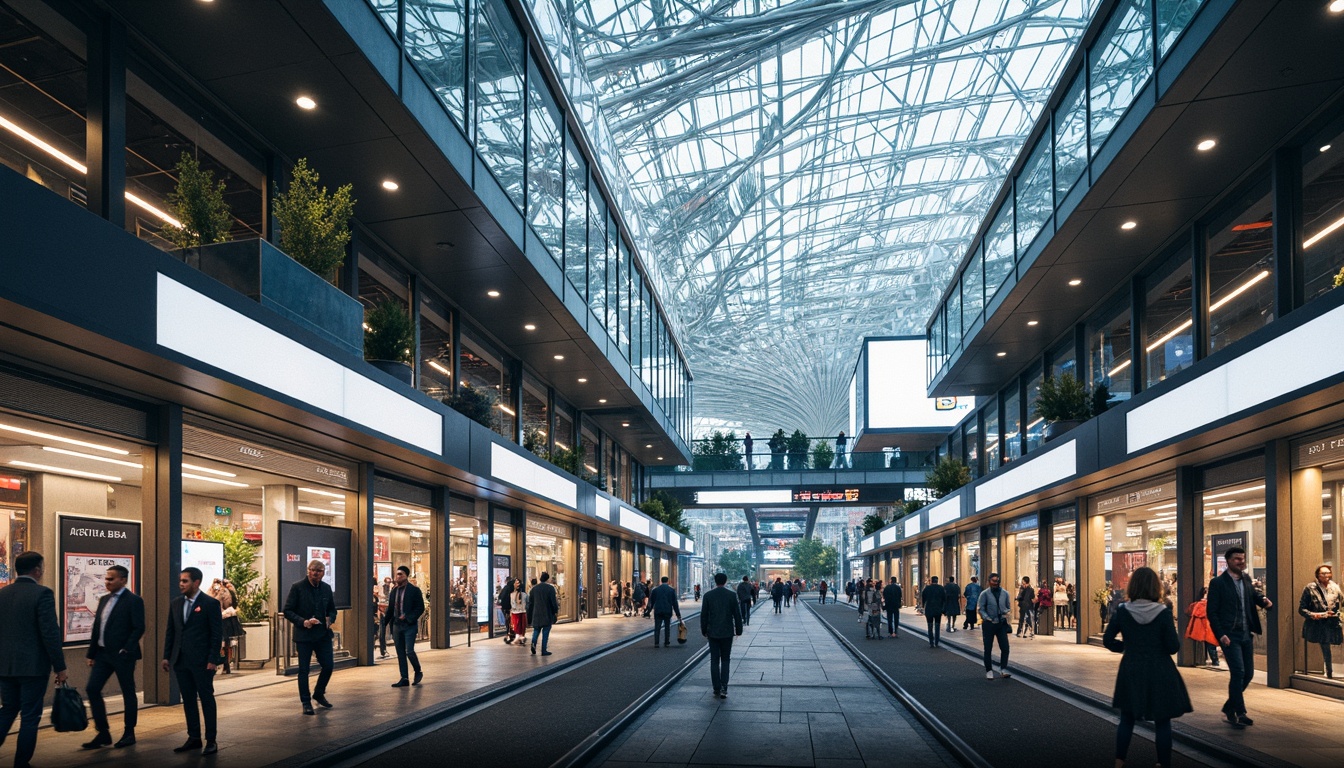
(796,698)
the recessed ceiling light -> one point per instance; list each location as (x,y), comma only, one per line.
(390,185)
(602,400)
(305,102)
(1075,282)
(583,381)
(1326,148)
(660,458)
(650,445)
(625,423)
(529,327)
(1337,6)
(1129,225)
(1033,322)
(1206,145)
(559,357)
(1002,354)
(492,294)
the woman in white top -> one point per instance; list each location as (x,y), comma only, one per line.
(1061,601)
(518,609)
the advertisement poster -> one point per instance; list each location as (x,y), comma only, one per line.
(1125,563)
(88,547)
(1219,543)
(6,558)
(382,571)
(382,547)
(252,527)
(326,556)
(206,555)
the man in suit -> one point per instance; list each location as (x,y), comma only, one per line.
(30,648)
(118,625)
(1232,616)
(405,606)
(542,608)
(664,602)
(891,600)
(720,622)
(311,608)
(933,597)
(744,599)
(191,650)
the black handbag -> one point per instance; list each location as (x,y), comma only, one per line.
(67,710)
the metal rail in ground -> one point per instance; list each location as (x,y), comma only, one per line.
(963,752)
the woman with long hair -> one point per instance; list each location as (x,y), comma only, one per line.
(518,610)
(1147,684)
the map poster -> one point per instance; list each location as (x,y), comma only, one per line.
(326,556)
(89,545)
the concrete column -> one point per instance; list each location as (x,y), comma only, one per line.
(359,621)
(1280,578)
(1190,564)
(162,547)
(1308,532)
(1091,573)
(439,631)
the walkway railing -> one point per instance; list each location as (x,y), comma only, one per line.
(830,459)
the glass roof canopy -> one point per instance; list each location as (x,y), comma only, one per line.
(803,173)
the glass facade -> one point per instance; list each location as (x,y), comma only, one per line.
(1032,195)
(1240,267)
(498,96)
(1121,62)
(972,290)
(1322,212)
(1110,353)
(1168,339)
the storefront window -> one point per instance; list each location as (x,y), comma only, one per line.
(1322,213)
(1139,530)
(1168,341)
(1063,573)
(436,348)
(1034,436)
(1021,554)
(603,576)
(502,564)
(49,149)
(1109,353)
(1234,516)
(1318,481)
(536,416)
(401,536)
(550,549)
(970,558)
(1240,269)
(1012,424)
(468,608)
(992,454)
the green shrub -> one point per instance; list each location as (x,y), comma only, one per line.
(198,203)
(389,334)
(314,225)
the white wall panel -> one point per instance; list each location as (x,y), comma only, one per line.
(511,468)
(1058,463)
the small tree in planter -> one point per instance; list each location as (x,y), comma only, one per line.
(314,225)
(823,456)
(949,475)
(198,203)
(779,443)
(797,447)
(254,592)
(388,337)
(474,404)
(1064,403)
(719,452)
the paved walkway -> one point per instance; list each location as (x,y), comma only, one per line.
(1291,727)
(796,698)
(262,725)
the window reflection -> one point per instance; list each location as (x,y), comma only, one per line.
(1240,268)
(1070,139)
(1168,342)
(436,44)
(1033,195)
(1121,62)
(1109,354)
(545,178)
(499,96)
(1322,212)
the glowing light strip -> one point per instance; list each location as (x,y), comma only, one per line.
(435,365)
(78,166)
(214,480)
(1119,368)
(64,471)
(67,440)
(319,511)
(91,457)
(1316,238)
(395,508)
(1217,305)
(506,409)
(207,470)
(340,496)
(1247,489)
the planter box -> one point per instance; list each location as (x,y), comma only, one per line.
(1056,429)
(257,642)
(398,370)
(263,273)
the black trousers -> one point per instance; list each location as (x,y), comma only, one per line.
(322,648)
(403,637)
(777,601)
(105,665)
(662,621)
(935,622)
(720,652)
(21,697)
(893,621)
(991,632)
(745,607)
(197,683)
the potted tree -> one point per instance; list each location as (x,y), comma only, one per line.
(473,403)
(823,456)
(947,476)
(797,447)
(254,592)
(778,443)
(293,282)
(1063,403)
(389,335)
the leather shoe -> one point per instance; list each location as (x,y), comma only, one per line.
(322,699)
(1244,720)
(1233,721)
(546,653)
(102,739)
(308,709)
(418,677)
(126,740)
(190,745)
(402,683)
(210,748)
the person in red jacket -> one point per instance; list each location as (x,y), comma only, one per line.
(1198,629)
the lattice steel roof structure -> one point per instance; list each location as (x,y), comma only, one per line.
(805,172)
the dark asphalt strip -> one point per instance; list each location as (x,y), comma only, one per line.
(1009,724)
(539,725)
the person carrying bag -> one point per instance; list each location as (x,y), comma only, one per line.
(67,710)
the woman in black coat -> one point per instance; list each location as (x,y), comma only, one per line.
(1320,606)
(1147,685)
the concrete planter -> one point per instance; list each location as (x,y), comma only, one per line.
(1055,429)
(263,273)
(257,641)
(399,370)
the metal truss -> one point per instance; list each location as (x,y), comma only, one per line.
(806,172)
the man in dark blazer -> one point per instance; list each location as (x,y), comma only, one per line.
(663,601)
(891,600)
(1232,616)
(543,607)
(118,625)
(720,622)
(30,648)
(405,606)
(933,596)
(311,608)
(191,650)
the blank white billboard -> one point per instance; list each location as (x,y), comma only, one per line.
(896,390)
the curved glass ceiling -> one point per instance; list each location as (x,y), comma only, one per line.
(804,173)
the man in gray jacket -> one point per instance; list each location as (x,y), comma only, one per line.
(744,592)
(542,608)
(30,648)
(720,621)
(995,607)
(665,603)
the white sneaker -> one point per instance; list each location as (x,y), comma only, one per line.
(989,675)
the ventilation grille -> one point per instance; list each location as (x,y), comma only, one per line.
(388,488)
(40,398)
